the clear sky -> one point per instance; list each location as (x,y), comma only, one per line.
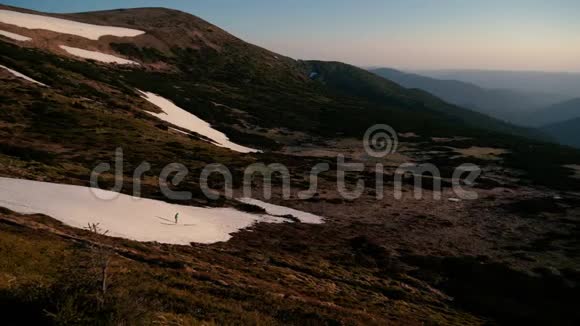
(539,35)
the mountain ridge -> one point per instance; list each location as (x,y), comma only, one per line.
(559,112)
(566,84)
(566,132)
(503,104)
(202,51)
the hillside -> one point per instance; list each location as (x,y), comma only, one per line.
(175,93)
(558,112)
(203,52)
(566,132)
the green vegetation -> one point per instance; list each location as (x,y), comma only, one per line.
(146,54)
(47,279)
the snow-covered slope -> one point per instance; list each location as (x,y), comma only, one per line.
(19,75)
(181,118)
(97,56)
(93,32)
(276,210)
(15,36)
(126,216)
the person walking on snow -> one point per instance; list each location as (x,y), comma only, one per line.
(176,218)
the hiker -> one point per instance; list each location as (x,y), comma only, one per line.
(176,218)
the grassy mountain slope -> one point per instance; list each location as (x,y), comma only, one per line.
(180,47)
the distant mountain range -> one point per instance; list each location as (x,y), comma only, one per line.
(561,121)
(556,113)
(562,83)
(505,104)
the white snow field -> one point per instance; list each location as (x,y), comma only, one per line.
(14,36)
(276,210)
(181,118)
(19,75)
(126,216)
(97,56)
(93,32)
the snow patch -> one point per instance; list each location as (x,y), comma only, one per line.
(180,131)
(126,216)
(93,32)
(97,56)
(14,36)
(23,76)
(183,119)
(276,210)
